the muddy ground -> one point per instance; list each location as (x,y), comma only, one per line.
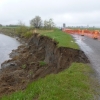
(38,58)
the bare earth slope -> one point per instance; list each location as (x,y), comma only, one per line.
(38,58)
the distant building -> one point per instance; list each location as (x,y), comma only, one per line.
(64,25)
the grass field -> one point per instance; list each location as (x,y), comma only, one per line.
(65,40)
(71,84)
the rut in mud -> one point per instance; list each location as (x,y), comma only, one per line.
(38,58)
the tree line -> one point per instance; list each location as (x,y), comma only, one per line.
(22,30)
(37,22)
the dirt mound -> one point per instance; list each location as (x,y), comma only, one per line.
(39,57)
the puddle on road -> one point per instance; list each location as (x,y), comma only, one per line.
(83,46)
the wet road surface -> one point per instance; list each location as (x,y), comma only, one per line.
(91,47)
(7,44)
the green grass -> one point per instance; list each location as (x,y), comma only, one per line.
(42,63)
(64,39)
(23,66)
(71,84)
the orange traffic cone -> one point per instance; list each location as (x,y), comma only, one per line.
(82,33)
(95,34)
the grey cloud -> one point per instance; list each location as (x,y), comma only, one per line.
(71,12)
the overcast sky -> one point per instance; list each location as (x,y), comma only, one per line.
(71,12)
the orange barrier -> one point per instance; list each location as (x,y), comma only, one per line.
(95,34)
(92,34)
(82,33)
(79,31)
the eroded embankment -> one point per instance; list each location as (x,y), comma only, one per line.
(39,57)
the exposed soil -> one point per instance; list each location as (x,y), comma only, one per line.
(25,65)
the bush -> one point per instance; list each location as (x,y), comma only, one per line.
(21,30)
(28,34)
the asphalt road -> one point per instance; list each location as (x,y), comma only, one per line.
(91,48)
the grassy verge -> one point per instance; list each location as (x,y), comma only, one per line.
(65,40)
(71,84)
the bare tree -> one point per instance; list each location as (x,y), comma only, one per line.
(36,22)
(46,24)
(49,24)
